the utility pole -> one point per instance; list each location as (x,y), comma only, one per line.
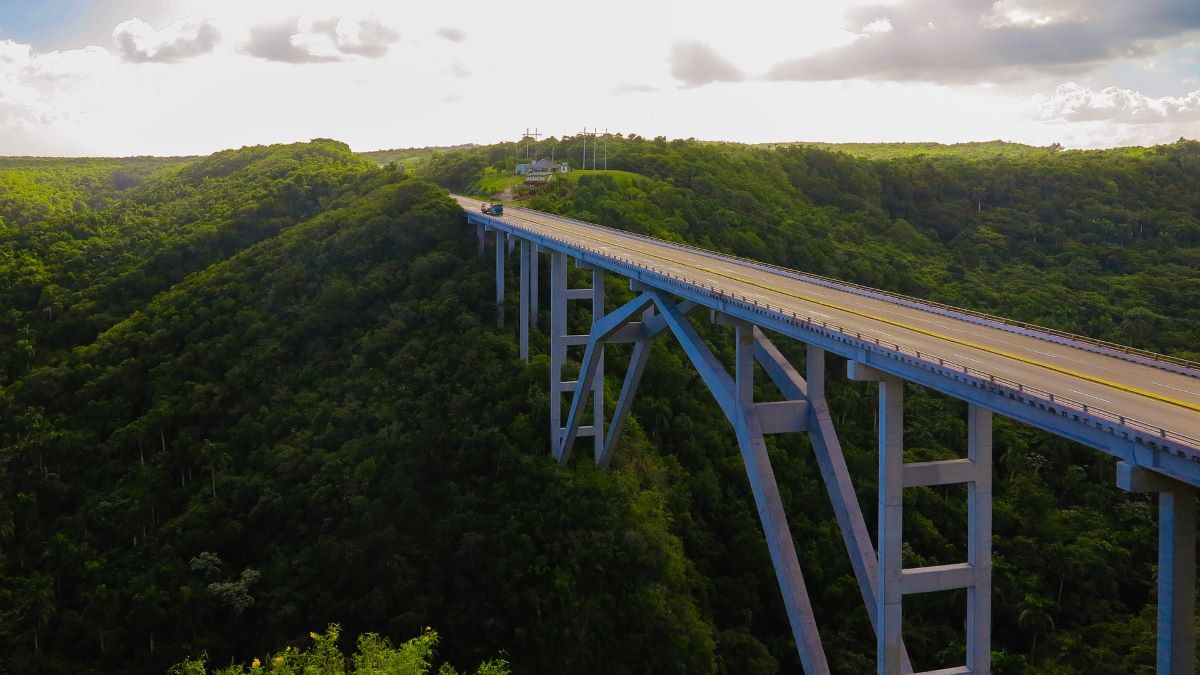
(606,148)
(530,136)
(592,134)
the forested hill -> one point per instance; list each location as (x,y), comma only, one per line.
(1104,243)
(311,426)
(250,395)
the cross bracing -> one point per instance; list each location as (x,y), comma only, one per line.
(1140,407)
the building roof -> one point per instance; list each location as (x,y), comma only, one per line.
(545,164)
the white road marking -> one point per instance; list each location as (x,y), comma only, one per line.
(1084,393)
(1193,393)
(864,304)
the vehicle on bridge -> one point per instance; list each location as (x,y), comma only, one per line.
(492,209)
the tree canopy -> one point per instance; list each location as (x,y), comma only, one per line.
(250,394)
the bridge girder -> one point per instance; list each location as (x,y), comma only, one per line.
(1149,464)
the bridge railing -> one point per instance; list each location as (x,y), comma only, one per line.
(775,312)
(1182,366)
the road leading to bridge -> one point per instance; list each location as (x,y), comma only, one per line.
(1155,396)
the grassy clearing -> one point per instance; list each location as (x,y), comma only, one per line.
(623,178)
(495,183)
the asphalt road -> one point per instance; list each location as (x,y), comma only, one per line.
(1158,397)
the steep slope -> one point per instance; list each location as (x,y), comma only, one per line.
(97,253)
(320,429)
(1103,243)
(304,415)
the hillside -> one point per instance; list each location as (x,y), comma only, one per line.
(292,436)
(261,392)
(402,155)
(1102,243)
(885,151)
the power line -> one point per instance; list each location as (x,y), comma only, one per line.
(584,135)
(534,136)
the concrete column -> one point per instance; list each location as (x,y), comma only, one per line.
(499,277)
(512,242)
(524,330)
(1177,581)
(815,372)
(979,540)
(598,388)
(479,238)
(1176,565)
(744,368)
(558,348)
(533,284)
(888,599)
(869,568)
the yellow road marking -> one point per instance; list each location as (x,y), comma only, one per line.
(923,331)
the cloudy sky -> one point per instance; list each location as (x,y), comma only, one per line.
(123,77)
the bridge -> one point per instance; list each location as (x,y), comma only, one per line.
(1140,407)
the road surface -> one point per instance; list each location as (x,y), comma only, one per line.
(1158,397)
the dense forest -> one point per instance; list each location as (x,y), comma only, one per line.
(247,396)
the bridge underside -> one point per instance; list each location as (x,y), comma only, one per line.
(883,581)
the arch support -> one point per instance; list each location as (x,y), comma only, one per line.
(734,395)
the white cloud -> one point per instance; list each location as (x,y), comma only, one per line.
(1073,102)
(14,52)
(139,42)
(632,88)
(696,64)
(365,37)
(451,34)
(286,71)
(39,93)
(880,25)
(286,43)
(315,40)
(959,41)
(1031,14)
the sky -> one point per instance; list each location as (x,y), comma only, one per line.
(181,77)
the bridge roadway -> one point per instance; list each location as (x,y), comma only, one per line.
(1154,395)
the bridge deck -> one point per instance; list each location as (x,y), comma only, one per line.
(1155,395)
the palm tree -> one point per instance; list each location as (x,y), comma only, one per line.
(1138,324)
(977,193)
(1035,618)
(41,604)
(217,456)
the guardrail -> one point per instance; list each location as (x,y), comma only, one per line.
(1181,366)
(883,346)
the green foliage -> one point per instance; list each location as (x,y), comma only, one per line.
(375,655)
(977,150)
(252,393)
(293,433)
(1102,243)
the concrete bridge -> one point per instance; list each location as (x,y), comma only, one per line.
(1141,407)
